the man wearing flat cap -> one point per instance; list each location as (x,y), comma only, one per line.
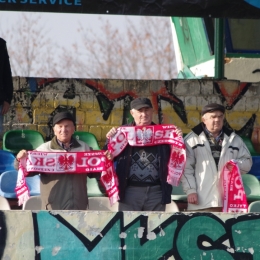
(142,171)
(209,146)
(62,191)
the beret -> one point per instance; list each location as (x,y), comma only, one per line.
(141,102)
(63,115)
(212,107)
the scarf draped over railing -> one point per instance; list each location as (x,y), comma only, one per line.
(66,163)
(234,196)
(149,136)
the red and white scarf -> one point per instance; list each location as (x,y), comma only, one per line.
(96,161)
(149,136)
(21,189)
(234,197)
(63,163)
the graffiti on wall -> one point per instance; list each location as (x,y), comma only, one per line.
(129,235)
(173,97)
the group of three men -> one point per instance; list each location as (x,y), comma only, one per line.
(142,170)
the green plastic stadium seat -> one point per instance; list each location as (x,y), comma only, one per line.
(93,188)
(254,206)
(251,186)
(178,194)
(249,145)
(88,138)
(16,140)
(92,183)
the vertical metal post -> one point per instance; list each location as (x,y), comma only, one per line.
(219,48)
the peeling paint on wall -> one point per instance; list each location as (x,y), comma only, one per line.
(129,235)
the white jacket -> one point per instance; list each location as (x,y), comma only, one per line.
(201,175)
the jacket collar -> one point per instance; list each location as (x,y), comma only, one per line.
(134,124)
(55,145)
(198,129)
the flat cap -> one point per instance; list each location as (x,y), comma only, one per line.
(140,103)
(212,107)
(63,115)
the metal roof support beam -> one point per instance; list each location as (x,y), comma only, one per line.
(219,48)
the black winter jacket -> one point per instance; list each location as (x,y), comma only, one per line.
(6,82)
(123,162)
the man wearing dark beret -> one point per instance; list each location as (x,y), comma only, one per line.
(142,171)
(209,146)
(62,191)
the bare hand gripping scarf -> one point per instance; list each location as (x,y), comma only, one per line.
(96,161)
(234,197)
(153,135)
(66,163)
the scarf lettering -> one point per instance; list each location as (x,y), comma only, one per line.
(153,135)
(234,196)
(66,162)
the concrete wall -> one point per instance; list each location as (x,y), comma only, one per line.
(249,69)
(62,235)
(101,104)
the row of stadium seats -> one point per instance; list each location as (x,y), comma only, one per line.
(16,140)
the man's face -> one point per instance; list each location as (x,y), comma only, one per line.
(213,121)
(63,130)
(142,116)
